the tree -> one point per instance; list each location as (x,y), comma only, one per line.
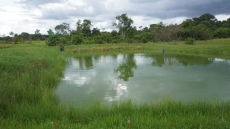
(63,28)
(114,33)
(79,27)
(25,36)
(130,34)
(84,27)
(37,34)
(187,23)
(17,39)
(222,33)
(96,31)
(53,39)
(12,34)
(226,23)
(206,19)
(201,32)
(158,31)
(123,24)
(115,37)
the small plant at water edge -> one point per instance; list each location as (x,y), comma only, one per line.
(190,41)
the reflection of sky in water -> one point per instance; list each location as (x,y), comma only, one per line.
(117,90)
(73,75)
(218,60)
(150,83)
(77,79)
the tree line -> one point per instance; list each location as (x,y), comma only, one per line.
(24,37)
(203,27)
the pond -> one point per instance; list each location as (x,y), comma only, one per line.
(144,78)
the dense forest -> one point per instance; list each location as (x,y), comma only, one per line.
(203,27)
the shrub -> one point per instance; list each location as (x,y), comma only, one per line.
(190,41)
(53,39)
(99,40)
(77,39)
(64,40)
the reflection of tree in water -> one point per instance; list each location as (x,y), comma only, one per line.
(114,56)
(126,68)
(186,60)
(194,60)
(86,61)
(97,58)
(159,60)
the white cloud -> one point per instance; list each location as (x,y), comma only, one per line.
(222,17)
(29,15)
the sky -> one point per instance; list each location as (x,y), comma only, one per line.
(28,15)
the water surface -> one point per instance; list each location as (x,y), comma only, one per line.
(144,78)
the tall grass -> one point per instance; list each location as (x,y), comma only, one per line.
(28,75)
(166,114)
(30,72)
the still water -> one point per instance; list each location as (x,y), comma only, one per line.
(147,78)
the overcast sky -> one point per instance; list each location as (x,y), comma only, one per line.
(28,15)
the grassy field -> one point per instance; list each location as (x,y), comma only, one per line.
(215,46)
(6,46)
(30,72)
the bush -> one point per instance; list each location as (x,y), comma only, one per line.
(190,41)
(77,39)
(53,39)
(99,40)
(64,40)
(222,33)
(144,40)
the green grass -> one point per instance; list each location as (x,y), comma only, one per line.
(30,72)
(209,47)
(166,114)
(6,46)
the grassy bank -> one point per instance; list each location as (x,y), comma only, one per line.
(215,46)
(167,114)
(30,72)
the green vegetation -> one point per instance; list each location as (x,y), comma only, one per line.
(30,72)
(190,40)
(204,27)
(167,114)
(211,47)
